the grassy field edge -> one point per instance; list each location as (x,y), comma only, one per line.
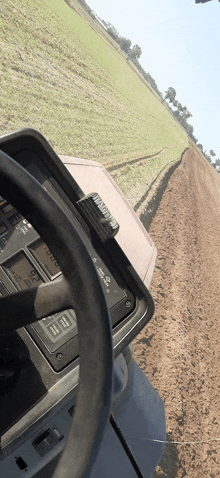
(63,78)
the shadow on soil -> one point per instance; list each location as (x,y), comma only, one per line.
(147,216)
(169,463)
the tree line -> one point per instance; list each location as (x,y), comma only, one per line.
(133,54)
(182,114)
(125,44)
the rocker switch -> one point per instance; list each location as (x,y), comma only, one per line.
(97,215)
(45,442)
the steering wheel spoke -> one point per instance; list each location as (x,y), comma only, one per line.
(24,307)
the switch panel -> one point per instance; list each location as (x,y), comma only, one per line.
(45,442)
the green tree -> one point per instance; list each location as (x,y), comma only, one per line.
(212,153)
(217,165)
(111,30)
(125,44)
(189,128)
(170,94)
(185,115)
(180,107)
(175,103)
(209,159)
(134,53)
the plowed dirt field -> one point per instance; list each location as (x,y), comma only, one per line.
(179,350)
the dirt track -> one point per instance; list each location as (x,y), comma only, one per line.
(179,350)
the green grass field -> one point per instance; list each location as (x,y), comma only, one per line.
(60,76)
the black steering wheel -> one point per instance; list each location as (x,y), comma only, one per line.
(78,288)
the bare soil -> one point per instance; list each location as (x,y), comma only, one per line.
(179,349)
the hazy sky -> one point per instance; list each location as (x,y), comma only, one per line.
(180,43)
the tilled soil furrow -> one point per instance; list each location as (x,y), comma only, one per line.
(179,350)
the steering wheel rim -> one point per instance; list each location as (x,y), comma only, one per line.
(94,329)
